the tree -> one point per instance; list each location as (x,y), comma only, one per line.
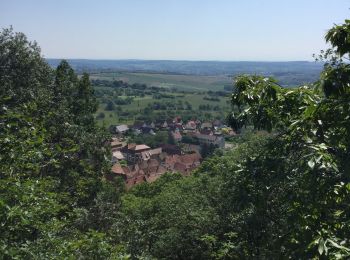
(301,178)
(52,157)
(110,106)
(24,75)
(101,115)
(85,104)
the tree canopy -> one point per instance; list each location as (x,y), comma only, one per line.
(52,157)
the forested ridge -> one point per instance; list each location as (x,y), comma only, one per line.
(282,193)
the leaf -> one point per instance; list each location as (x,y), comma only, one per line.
(338,213)
(308,140)
(348,186)
(321,246)
(338,246)
(311,163)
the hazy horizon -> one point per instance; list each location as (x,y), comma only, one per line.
(184,60)
(191,30)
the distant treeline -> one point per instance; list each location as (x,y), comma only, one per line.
(141,88)
(122,84)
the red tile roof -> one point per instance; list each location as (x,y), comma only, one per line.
(153,163)
(152,168)
(191,125)
(143,164)
(177,135)
(134,180)
(180,167)
(161,170)
(131,146)
(118,155)
(126,169)
(151,178)
(117,169)
(183,163)
(190,158)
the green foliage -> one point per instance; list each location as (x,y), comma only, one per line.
(110,106)
(283,193)
(261,102)
(167,219)
(338,36)
(154,141)
(301,175)
(189,140)
(52,159)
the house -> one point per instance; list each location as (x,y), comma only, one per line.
(159,123)
(130,182)
(147,130)
(117,169)
(116,144)
(117,156)
(151,154)
(182,163)
(210,139)
(177,136)
(147,165)
(180,167)
(137,125)
(177,119)
(192,148)
(191,125)
(217,123)
(207,125)
(170,124)
(178,126)
(171,149)
(132,152)
(164,125)
(206,131)
(145,171)
(121,129)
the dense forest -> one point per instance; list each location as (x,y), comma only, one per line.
(280,193)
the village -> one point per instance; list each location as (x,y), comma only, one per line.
(191,142)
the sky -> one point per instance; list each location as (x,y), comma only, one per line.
(227,30)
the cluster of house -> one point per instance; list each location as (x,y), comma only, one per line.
(140,163)
(144,164)
(204,132)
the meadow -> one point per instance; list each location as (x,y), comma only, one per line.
(169,81)
(189,96)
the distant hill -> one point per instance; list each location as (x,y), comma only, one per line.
(288,73)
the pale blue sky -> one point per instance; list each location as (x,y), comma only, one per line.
(176,29)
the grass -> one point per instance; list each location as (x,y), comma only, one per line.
(180,82)
(195,87)
(139,104)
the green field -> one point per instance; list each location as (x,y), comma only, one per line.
(177,89)
(180,82)
(138,104)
